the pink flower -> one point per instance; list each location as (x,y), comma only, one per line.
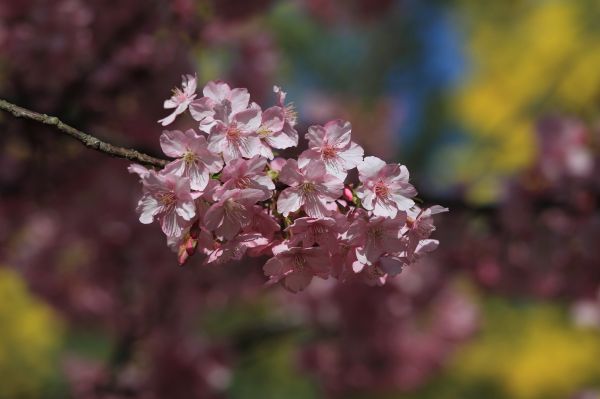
(248,173)
(331,144)
(139,170)
(385,188)
(235,248)
(220,103)
(310,231)
(168,198)
(375,236)
(311,188)
(261,222)
(419,228)
(271,132)
(290,115)
(296,267)
(237,138)
(195,160)
(181,99)
(230,213)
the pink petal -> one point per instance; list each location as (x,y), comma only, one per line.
(338,133)
(216,90)
(173,143)
(370,167)
(297,281)
(148,207)
(352,156)
(289,201)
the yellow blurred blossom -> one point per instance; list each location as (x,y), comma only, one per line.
(531,353)
(526,57)
(30,337)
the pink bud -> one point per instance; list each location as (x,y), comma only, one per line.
(348,196)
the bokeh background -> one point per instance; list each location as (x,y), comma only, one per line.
(492,105)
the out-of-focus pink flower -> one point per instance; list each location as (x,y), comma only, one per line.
(235,248)
(271,132)
(296,267)
(237,138)
(261,222)
(168,198)
(311,188)
(230,213)
(290,115)
(331,144)
(375,236)
(420,226)
(181,99)
(248,173)
(194,161)
(385,188)
(220,103)
(310,231)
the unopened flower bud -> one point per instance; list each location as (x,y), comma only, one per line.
(348,195)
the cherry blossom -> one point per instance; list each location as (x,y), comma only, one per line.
(295,267)
(248,173)
(311,188)
(194,161)
(237,138)
(385,189)
(331,144)
(272,133)
(181,99)
(219,104)
(229,214)
(375,236)
(290,116)
(310,231)
(167,198)
(227,195)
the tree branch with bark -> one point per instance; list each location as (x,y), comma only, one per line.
(86,139)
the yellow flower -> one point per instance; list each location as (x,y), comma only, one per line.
(30,336)
(527,58)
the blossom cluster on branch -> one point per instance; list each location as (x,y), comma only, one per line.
(226,194)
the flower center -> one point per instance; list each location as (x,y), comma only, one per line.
(307,187)
(375,232)
(299,262)
(329,151)
(318,229)
(264,132)
(381,189)
(233,133)
(179,96)
(167,199)
(189,157)
(243,182)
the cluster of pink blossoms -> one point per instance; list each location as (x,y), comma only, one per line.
(227,195)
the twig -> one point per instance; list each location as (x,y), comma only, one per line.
(87,140)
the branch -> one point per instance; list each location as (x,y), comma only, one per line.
(87,140)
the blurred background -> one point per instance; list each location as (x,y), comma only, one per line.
(493,106)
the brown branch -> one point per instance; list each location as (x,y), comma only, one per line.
(86,139)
